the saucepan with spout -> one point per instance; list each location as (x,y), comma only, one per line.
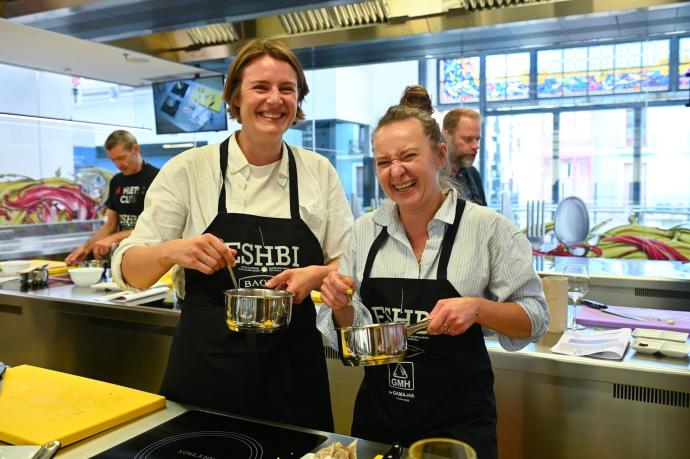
(376,344)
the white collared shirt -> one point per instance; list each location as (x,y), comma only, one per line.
(490,259)
(183,199)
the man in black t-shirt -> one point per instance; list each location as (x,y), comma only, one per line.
(462,131)
(125,197)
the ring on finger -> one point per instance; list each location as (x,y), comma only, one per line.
(445,327)
(205,259)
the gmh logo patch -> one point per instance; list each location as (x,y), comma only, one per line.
(401,376)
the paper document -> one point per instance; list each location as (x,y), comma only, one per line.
(124,297)
(605,344)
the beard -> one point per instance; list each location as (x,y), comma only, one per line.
(467,160)
(462,161)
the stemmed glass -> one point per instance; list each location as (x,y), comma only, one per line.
(440,448)
(578,286)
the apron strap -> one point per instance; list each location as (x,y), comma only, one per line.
(446,244)
(223,167)
(378,242)
(449,240)
(294,192)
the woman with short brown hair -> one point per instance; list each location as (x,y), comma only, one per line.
(279,216)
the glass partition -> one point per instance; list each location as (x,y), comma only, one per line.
(596,160)
(665,165)
(684,63)
(519,156)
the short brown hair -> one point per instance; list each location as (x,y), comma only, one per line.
(120,137)
(256,48)
(452,118)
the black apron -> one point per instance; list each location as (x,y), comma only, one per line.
(279,376)
(444,388)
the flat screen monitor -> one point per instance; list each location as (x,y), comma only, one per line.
(193,105)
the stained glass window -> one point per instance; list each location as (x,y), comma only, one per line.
(604,69)
(600,75)
(655,60)
(459,80)
(627,59)
(550,73)
(507,76)
(683,62)
(575,72)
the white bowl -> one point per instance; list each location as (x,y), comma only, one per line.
(14,266)
(85,277)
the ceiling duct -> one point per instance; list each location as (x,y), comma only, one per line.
(385,11)
(321,19)
(213,34)
(478,5)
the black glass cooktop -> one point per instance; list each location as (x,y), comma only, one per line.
(200,434)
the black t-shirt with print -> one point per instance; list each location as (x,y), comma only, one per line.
(126,195)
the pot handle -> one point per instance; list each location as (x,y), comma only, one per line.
(419,326)
(341,354)
(316,296)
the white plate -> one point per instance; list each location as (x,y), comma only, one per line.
(665,335)
(646,346)
(668,348)
(675,349)
(571,222)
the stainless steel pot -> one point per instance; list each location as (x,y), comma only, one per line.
(34,277)
(258,310)
(376,344)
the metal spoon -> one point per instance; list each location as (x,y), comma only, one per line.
(234,279)
(232,273)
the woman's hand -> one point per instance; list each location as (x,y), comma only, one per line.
(300,281)
(336,290)
(453,316)
(205,253)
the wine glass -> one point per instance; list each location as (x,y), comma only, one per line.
(440,448)
(578,286)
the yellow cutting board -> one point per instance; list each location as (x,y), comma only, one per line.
(39,405)
(55,268)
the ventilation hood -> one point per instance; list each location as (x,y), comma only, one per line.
(330,33)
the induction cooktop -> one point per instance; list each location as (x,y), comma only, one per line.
(200,434)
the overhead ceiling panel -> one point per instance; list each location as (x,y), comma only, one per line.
(25,46)
(112,20)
